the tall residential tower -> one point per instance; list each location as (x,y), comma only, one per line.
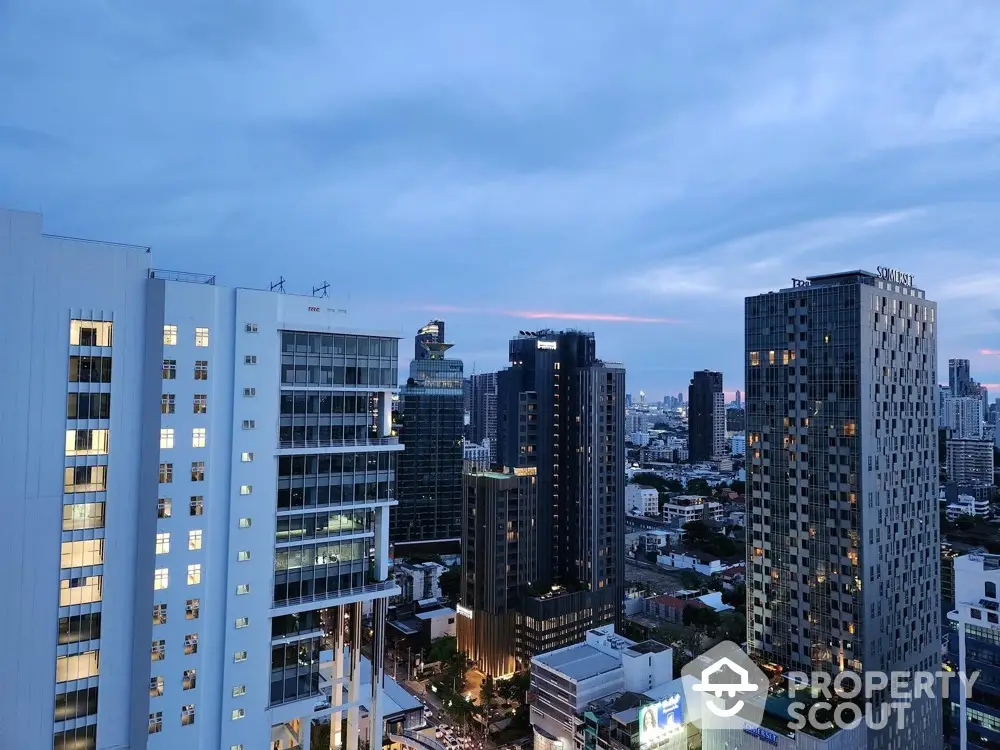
(842,477)
(706,416)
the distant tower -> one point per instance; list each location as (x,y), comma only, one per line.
(642,397)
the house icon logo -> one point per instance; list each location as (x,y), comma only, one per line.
(724,684)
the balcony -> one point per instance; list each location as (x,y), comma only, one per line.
(368,591)
(307,444)
(185,276)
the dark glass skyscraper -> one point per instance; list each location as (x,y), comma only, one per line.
(561,415)
(483,410)
(706,416)
(429,480)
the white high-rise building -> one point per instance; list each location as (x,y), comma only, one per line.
(227,464)
(962,417)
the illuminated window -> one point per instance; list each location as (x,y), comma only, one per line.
(242,622)
(238,713)
(201,370)
(201,337)
(167,403)
(197,505)
(240,656)
(194,574)
(770,357)
(85,479)
(83,516)
(246,458)
(156,722)
(242,588)
(161,579)
(158,651)
(192,609)
(850,429)
(163,507)
(200,403)
(191,643)
(246,523)
(170,369)
(754,359)
(246,489)
(187,715)
(159,614)
(86,442)
(80,590)
(169,335)
(239,690)
(163,543)
(194,539)
(243,555)
(190,680)
(89,333)
(155,687)
(77,666)
(197,471)
(198,437)
(82,554)
(166,473)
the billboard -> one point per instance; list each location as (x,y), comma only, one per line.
(660,721)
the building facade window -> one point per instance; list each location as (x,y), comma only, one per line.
(200,403)
(239,690)
(85,479)
(246,457)
(163,507)
(82,554)
(194,539)
(187,715)
(197,471)
(158,651)
(201,337)
(190,679)
(167,403)
(163,543)
(155,687)
(246,523)
(201,369)
(249,392)
(198,437)
(83,516)
(84,369)
(242,588)
(166,473)
(191,644)
(250,359)
(194,574)
(169,335)
(166,438)
(238,713)
(249,424)
(192,609)
(78,666)
(170,369)
(89,333)
(246,489)
(161,579)
(251,328)
(85,590)
(159,614)
(197,505)
(87,442)
(156,722)
(243,555)
(88,406)
(240,656)
(242,622)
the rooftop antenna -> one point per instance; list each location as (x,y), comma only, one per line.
(279,285)
(324,289)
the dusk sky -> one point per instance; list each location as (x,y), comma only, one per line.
(631,168)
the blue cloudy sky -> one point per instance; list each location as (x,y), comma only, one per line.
(655,160)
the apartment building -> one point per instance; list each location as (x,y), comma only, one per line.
(227,470)
(687,508)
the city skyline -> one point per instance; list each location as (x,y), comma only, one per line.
(819,142)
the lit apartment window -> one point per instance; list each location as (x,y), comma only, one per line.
(190,680)
(250,359)
(198,437)
(155,687)
(191,644)
(86,442)
(166,438)
(85,479)
(170,369)
(201,337)
(236,747)
(82,554)
(159,614)
(163,507)
(238,713)
(89,333)
(156,722)
(247,458)
(197,471)
(201,369)
(169,335)
(251,328)
(194,574)
(246,523)
(246,489)
(242,622)
(80,590)
(163,543)
(83,516)
(242,588)
(158,651)
(197,505)
(239,690)
(167,403)
(78,666)
(192,609)
(166,473)
(240,656)
(249,392)
(249,424)
(194,539)
(161,578)
(187,715)
(243,555)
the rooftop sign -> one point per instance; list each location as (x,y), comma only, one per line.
(897,277)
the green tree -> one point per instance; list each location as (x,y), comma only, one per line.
(442,649)
(698,487)
(487,697)
(690,579)
(697,532)
(703,618)
(739,486)
(451,582)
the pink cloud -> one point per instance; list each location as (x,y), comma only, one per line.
(546,315)
(990,352)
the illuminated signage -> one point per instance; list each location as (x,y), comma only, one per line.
(546,345)
(525,471)
(762,734)
(660,721)
(897,277)
(464,611)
